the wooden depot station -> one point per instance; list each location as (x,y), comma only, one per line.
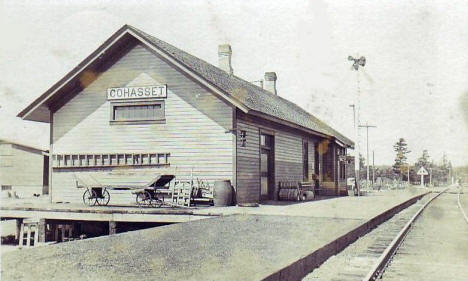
(140,105)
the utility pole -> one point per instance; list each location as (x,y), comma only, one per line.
(367,126)
(430,177)
(357,62)
(373,169)
(408,174)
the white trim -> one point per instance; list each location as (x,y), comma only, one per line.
(161,53)
(74,75)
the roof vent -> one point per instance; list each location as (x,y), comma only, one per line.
(270,82)
(258,83)
(224,58)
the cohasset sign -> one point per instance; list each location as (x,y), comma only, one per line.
(146,92)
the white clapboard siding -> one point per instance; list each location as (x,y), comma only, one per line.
(22,169)
(194,132)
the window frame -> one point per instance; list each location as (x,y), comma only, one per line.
(161,120)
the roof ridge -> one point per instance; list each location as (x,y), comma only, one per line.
(256,90)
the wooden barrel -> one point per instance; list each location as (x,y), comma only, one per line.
(293,194)
(308,195)
(222,193)
(283,194)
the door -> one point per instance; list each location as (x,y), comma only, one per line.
(267,180)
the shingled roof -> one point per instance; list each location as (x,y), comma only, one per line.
(252,96)
(241,92)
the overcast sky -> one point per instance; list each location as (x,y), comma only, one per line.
(415,83)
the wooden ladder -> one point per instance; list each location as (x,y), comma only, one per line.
(182,194)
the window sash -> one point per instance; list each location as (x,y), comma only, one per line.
(138,111)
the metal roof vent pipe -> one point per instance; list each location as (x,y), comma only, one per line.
(270,82)
(224,58)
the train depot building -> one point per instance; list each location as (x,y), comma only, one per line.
(140,105)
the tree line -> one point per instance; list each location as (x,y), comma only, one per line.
(439,173)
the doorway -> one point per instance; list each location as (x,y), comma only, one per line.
(267,176)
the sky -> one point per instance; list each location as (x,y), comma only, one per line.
(414,85)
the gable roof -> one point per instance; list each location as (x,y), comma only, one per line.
(242,94)
(37,148)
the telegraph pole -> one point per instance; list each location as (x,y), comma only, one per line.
(367,126)
(360,62)
(373,169)
(408,173)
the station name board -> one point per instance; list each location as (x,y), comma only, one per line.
(145,92)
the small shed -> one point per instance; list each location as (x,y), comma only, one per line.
(24,169)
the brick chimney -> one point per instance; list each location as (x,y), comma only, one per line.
(270,82)
(224,58)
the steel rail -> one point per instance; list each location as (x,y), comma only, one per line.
(384,259)
(460,206)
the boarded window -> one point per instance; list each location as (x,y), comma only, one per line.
(147,111)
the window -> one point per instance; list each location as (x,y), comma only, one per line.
(305,160)
(138,112)
(6,187)
(243,137)
(266,141)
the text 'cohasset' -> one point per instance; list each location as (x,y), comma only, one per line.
(159,91)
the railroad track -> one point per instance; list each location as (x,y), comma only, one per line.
(355,261)
(434,250)
(367,257)
(462,210)
(384,259)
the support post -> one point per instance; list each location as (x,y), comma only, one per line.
(18,228)
(112,227)
(21,239)
(28,236)
(41,229)
(36,234)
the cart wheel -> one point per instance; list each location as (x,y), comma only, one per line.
(89,197)
(104,200)
(143,198)
(156,202)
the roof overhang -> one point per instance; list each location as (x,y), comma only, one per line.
(342,144)
(287,123)
(301,128)
(39,109)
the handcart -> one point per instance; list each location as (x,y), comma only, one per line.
(150,193)
(154,194)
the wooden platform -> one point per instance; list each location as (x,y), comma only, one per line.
(264,243)
(17,209)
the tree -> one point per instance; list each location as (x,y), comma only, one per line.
(424,159)
(401,149)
